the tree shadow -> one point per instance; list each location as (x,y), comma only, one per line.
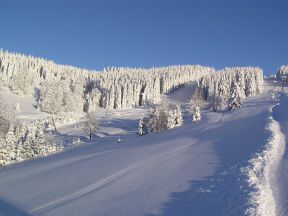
(8,209)
(217,195)
(226,191)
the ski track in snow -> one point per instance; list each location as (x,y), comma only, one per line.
(106,181)
(51,166)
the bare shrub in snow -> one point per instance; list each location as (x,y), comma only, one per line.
(91,124)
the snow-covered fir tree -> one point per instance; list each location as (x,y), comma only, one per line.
(143,126)
(178,116)
(197,99)
(218,103)
(157,120)
(62,88)
(24,142)
(10,145)
(52,84)
(6,118)
(141,131)
(282,72)
(235,100)
(196,104)
(163,117)
(174,116)
(92,100)
(249,82)
(195,114)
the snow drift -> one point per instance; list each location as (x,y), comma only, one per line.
(262,172)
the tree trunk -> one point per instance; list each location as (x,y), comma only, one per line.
(54,124)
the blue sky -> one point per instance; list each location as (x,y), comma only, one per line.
(144,33)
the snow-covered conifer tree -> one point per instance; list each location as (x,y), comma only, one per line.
(7,118)
(248,80)
(196,103)
(170,113)
(178,116)
(51,99)
(218,103)
(153,120)
(235,100)
(195,114)
(143,126)
(11,146)
(24,142)
(174,116)
(165,116)
(121,87)
(92,100)
(283,71)
(3,156)
(158,120)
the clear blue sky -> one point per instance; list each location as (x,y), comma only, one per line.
(144,33)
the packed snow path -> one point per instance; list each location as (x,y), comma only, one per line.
(191,170)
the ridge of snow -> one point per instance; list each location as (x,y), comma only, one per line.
(261,171)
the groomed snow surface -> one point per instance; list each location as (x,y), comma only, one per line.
(229,163)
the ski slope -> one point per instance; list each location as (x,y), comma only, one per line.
(196,169)
(27,111)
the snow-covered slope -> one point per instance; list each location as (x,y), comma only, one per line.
(27,110)
(196,169)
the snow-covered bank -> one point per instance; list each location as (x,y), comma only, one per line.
(280,114)
(262,171)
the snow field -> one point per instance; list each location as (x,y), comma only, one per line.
(191,170)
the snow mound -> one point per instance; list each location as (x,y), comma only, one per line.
(261,172)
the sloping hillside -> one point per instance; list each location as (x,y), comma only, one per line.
(196,169)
